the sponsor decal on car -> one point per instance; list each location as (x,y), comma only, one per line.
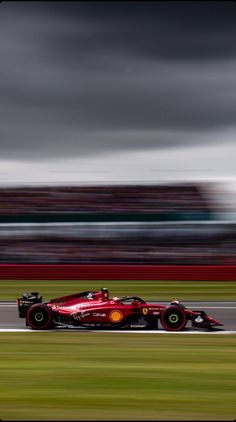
(88,305)
(54,307)
(115,316)
(145,311)
(199,319)
(80,316)
(99,315)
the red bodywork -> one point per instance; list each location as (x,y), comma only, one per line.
(96,309)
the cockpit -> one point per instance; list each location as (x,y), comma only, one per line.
(134,300)
(104,296)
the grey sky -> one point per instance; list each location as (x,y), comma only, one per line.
(91,82)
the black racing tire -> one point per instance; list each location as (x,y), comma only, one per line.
(173,318)
(39,317)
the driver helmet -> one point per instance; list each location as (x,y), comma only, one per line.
(175,302)
(105,293)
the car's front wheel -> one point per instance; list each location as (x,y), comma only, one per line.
(39,317)
(173,318)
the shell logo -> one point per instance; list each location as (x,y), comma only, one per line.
(115,316)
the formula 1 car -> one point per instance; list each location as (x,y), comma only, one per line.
(95,310)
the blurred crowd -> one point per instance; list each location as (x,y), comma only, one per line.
(155,199)
(151,244)
(114,251)
(176,242)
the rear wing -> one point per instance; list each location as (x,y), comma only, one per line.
(27,300)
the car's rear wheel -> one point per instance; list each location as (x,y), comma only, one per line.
(173,318)
(39,317)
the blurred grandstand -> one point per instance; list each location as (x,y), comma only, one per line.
(104,203)
(181,223)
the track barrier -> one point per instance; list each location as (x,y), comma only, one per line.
(117,272)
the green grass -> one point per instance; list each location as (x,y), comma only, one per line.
(149,290)
(97,376)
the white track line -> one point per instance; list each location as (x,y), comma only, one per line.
(25,330)
(214,307)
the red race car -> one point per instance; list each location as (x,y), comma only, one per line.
(96,310)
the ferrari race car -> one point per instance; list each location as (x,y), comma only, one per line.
(96,310)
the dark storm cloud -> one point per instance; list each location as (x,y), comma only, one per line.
(167,30)
(88,77)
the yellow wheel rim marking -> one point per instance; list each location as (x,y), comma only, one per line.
(173,318)
(38,317)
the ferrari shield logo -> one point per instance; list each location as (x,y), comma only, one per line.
(145,311)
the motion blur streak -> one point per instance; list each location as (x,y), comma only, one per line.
(155,224)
